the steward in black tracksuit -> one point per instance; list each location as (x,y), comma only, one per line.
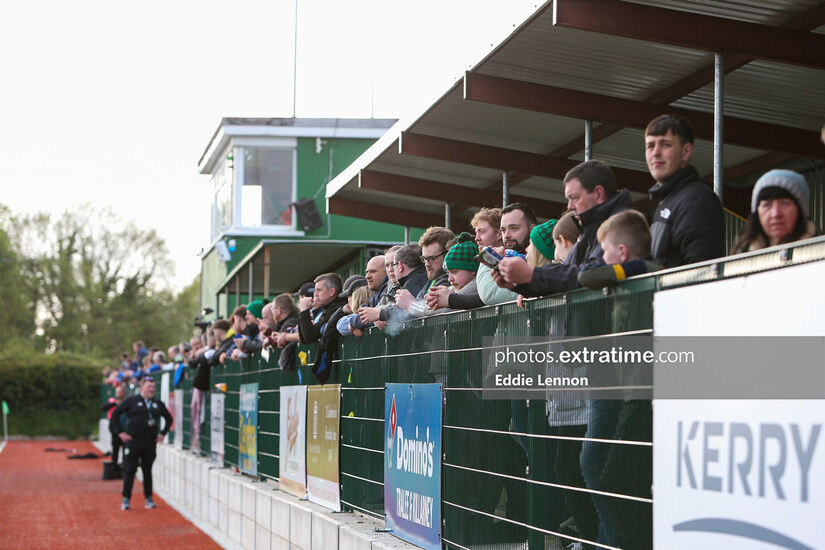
(142,423)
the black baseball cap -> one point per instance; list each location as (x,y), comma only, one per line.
(307,289)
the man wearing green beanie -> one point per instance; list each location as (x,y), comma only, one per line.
(256,309)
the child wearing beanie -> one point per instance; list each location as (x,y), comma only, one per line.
(461,265)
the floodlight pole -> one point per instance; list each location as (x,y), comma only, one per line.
(588,139)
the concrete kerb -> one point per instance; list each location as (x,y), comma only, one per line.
(238,518)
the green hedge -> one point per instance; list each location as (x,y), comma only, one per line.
(55,394)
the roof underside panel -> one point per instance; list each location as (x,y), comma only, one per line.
(592,62)
(768,12)
(768,92)
(614,67)
(436,170)
(498,126)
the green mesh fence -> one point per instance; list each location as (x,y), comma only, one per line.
(509,478)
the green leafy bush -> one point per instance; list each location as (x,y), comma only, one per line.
(55,394)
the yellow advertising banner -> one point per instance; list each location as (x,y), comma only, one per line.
(323,435)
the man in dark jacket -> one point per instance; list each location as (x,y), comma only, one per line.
(387,287)
(412,276)
(688,225)
(140,437)
(434,244)
(327,291)
(591,192)
(201,383)
(277,316)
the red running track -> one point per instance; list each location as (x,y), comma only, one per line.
(48,501)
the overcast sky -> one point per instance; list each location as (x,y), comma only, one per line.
(112,103)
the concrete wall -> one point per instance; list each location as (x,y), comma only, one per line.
(257,515)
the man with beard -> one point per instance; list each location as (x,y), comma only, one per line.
(517,220)
(590,188)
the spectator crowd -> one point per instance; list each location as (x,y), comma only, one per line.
(599,241)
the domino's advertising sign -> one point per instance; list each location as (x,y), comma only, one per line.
(412,465)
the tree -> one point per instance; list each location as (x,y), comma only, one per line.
(97,282)
(17,311)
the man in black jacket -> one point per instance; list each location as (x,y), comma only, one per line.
(591,192)
(140,437)
(201,383)
(327,290)
(280,315)
(688,225)
(386,290)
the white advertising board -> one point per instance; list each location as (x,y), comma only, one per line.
(739,474)
(216,425)
(292,465)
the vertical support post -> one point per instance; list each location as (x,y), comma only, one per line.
(505,189)
(448,215)
(718,123)
(251,281)
(406,234)
(295,62)
(266,272)
(237,289)
(588,139)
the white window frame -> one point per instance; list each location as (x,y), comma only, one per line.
(237,147)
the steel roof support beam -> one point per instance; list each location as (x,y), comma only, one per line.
(267,257)
(719,126)
(635,114)
(690,30)
(507,160)
(806,21)
(447,192)
(387,214)
(251,269)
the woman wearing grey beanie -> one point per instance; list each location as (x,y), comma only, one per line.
(779,210)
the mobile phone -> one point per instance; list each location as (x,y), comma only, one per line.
(489,257)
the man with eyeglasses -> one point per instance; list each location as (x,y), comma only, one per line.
(140,437)
(434,244)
